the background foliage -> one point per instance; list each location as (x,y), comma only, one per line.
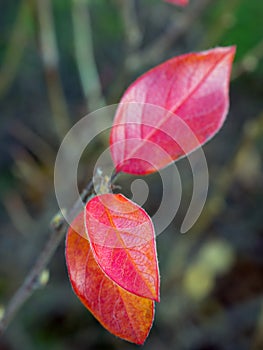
(61,59)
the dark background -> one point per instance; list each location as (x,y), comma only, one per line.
(60,59)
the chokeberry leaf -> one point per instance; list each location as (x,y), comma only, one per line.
(124,314)
(171,110)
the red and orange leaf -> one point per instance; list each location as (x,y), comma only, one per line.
(124,314)
(171,110)
(178,2)
(122,239)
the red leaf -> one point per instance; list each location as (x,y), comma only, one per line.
(178,2)
(122,239)
(171,110)
(124,314)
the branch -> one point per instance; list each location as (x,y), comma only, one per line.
(59,227)
(32,281)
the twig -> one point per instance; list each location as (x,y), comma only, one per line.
(31,282)
(58,230)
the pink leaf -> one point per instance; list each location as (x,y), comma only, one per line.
(122,239)
(171,110)
(124,314)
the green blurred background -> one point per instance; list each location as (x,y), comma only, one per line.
(60,59)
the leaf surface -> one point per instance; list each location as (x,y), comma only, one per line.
(122,239)
(124,314)
(171,110)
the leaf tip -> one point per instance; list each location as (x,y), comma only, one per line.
(232,50)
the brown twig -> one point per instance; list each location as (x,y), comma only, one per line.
(58,230)
(32,281)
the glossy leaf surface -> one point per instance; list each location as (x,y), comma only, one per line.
(122,239)
(124,314)
(171,110)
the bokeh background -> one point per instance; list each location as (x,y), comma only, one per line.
(60,59)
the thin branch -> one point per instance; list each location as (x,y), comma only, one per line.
(58,230)
(32,281)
